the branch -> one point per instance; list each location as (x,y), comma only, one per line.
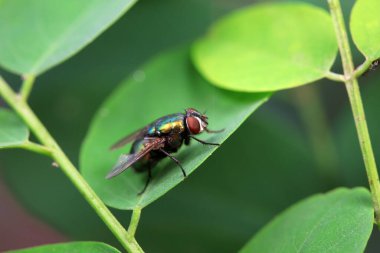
(356,105)
(31,120)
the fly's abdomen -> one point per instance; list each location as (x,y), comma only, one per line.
(173,143)
(144,163)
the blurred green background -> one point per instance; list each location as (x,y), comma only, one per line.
(286,151)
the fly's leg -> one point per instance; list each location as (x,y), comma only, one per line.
(204,142)
(187,140)
(147,181)
(175,160)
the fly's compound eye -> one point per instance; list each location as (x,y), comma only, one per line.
(194,125)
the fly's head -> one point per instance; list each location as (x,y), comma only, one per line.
(196,122)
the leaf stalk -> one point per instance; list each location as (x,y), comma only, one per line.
(31,146)
(27,86)
(364,68)
(134,221)
(335,77)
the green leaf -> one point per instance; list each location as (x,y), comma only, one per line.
(338,221)
(365,27)
(37,35)
(12,130)
(268,47)
(165,85)
(70,247)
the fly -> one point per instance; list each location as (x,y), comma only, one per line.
(160,139)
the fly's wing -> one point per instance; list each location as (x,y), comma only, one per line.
(119,167)
(131,137)
(126,161)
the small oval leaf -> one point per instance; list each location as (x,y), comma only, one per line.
(268,47)
(70,247)
(167,84)
(365,27)
(36,35)
(13,131)
(338,221)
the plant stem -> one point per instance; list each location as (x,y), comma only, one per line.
(356,105)
(37,148)
(334,76)
(34,147)
(25,112)
(134,221)
(26,86)
(363,68)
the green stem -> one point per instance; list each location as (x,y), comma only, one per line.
(134,221)
(31,146)
(27,86)
(37,148)
(334,76)
(25,112)
(356,105)
(363,68)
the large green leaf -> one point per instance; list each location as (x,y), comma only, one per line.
(12,130)
(365,27)
(36,35)
(268,47)
(167,84)
(339,221)
(71,247)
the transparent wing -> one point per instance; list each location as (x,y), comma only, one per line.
(126,161)
(127,139)
(119,167)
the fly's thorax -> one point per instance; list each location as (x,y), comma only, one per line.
(173,127)
(170,124)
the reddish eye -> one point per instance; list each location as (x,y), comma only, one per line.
(193,124)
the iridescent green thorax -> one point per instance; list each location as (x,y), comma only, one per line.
(173,123)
